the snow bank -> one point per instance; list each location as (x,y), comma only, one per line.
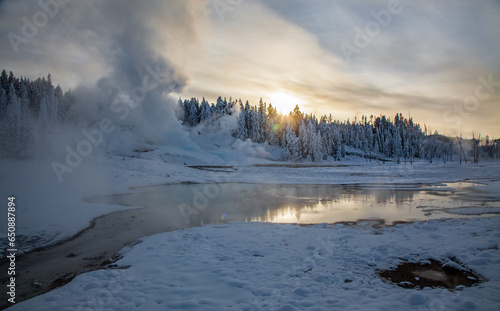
(258,266)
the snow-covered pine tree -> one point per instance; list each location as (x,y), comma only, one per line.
(296,118)
(304,139)
(194,112)
(241,132)
(398,149)
(255,125)
(273,127)
(12,127)
(286,155)
(316,145)
(290,145)
(263,134)
(294,147)
(4,81)
(388,145)
(204,110)
(221,106)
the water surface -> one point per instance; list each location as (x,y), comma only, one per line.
(305,204)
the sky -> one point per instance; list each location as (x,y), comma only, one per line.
(437,61)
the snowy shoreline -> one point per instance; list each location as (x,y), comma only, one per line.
(44,202)
(320,267)
(50,212)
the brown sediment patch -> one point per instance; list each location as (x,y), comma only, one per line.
(400,222)
(431,273)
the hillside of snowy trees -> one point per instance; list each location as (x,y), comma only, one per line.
(30,108)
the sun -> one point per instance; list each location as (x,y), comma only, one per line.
(284,102)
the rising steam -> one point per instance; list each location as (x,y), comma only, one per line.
(120,57)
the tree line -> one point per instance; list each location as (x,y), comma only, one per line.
(305,137)
(30,108)
(27,109)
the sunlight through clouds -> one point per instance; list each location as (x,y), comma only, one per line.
(425,58)
(284,102)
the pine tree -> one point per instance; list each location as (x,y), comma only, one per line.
(12,127)
(254,132)
(316,144)
(296,118)
(388,145)
(205,112)
(221,106)
(241,132)
(25,135)
(290,145)
(304,140)
(263,134)
(12,80)
(4,81)
(3,103)
(398,149)
(193,112)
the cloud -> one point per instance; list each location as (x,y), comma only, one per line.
(121,58)
(86,40)
(254,52)
(427,59)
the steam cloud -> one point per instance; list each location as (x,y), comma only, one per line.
(121,57)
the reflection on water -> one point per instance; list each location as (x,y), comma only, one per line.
(305,204)
(322,203)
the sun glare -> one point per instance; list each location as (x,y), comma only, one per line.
(284,102)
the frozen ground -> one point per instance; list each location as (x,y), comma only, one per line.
(258,266)
(222,267)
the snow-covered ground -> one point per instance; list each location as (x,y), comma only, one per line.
(49,210)
(259,266)
(252,266)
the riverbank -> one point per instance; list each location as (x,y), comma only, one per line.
(97,247)
(50,211)
(321,267)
